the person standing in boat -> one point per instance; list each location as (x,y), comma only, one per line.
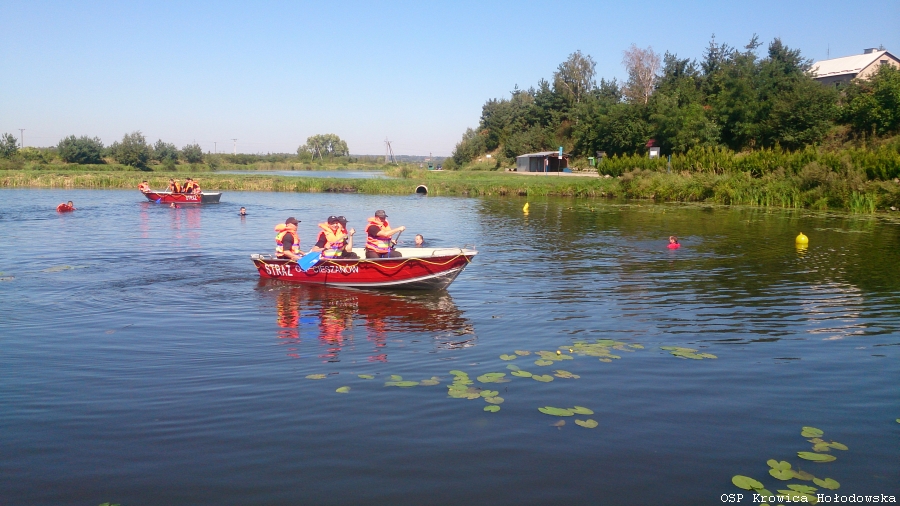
(144,187)
(334,241)
(379,237)
(287,242)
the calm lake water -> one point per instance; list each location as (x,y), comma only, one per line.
(342,174)
(142,361)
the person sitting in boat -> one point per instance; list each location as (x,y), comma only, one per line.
(190,186)
(334,240)
(287,242)
(65,208)
(379,240)
(174,186)
(144,187)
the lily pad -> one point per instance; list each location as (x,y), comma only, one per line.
(581,410)
(316,376)
(782,474)
(366,376)
(803,475)
(637,346)
(827,483)
(492,377)
(508,357)
(512,367)
(811,432)
(838,446)
(821,447)
(401,384)
(522,353)
(489,393)
(395,377)
(429,382)
(816,457)
(588,424)
(521,374)
(565,374)
(343,390)
(549,410)
(458,373)
(493,408)
(803,489)
(543,378)
(745,482)
(774,464)
(494,400)
(543,362)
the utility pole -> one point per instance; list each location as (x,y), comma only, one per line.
(235,145)
(22,136)
(215,147)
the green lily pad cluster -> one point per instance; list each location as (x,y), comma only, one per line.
(602,349)
(316,376)
(493,377)
(690,353)
(548,357)
(565,374)
(508,357)
(820,446)
(575,410)
(366,376)
(398,381)
(782,470)
(343,390)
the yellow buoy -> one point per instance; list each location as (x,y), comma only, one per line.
(526,207)
(802,239)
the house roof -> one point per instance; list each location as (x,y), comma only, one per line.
(846,65)
(544,153)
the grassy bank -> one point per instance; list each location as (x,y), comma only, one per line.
(811,189)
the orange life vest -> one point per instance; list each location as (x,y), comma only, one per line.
(64,208)
(334,241)
(282,229)
(191,187)
(377,244)
(175,187)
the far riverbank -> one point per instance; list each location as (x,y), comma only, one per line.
(772,190)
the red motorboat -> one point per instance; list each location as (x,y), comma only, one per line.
(418,268)
(161,197)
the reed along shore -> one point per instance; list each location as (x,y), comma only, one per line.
(771,190)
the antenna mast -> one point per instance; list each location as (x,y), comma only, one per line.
(235,145)
(388,151)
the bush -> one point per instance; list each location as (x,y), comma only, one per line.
(81,150)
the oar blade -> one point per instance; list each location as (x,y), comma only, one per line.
(308,260)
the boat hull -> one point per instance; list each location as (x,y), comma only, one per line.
(182,198)
(418,269)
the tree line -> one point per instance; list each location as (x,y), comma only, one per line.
(134,150)
(731,99)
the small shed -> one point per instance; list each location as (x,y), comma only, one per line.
(545,161)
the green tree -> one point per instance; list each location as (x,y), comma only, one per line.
(192,153)
(324,145)
(574,78)
(133,150)
(9,145)
(84,149)
(873,106)
(165,152)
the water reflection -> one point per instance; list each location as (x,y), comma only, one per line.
(339,320)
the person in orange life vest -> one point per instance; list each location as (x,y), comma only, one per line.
(191,186)
(287,242)
(379,237)
(144,187)
(673,242)
(334,241)
(174,186)
(65,208)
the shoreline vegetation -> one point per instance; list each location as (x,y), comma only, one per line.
(811,187)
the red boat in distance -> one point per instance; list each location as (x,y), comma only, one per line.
(161,197)
(417,269)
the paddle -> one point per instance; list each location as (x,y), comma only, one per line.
(308,260)
(397,240)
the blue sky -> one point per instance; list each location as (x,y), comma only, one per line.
(270,74)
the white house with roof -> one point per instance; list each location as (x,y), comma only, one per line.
(859,66)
